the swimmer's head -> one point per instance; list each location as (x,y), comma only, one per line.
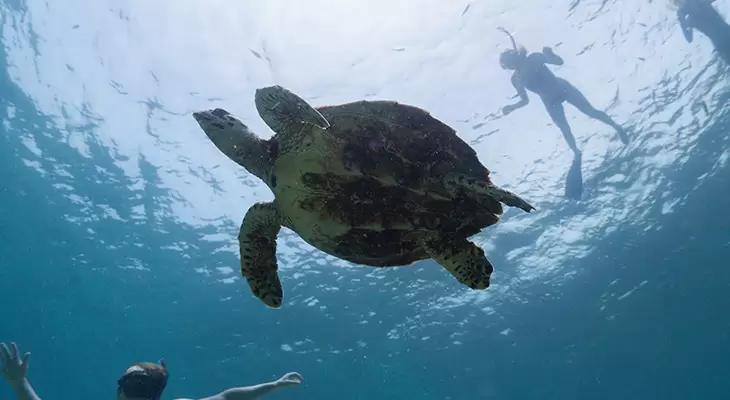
(511,59)
(143,381)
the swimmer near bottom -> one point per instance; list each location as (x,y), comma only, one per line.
(574,180)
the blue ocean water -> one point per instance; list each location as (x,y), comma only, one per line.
(119,217)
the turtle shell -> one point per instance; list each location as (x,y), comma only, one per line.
(370,188)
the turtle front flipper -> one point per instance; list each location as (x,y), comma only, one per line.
(464,260)
(257,246)
(283,110)
(484,187)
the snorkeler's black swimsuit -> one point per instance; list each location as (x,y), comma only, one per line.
(536,77)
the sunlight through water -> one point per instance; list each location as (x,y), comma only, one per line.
(128,75)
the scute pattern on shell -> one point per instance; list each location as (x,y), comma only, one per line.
(382,182)
(400,138)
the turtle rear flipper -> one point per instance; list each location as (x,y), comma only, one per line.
(257,246)
(464,260)
(487,188)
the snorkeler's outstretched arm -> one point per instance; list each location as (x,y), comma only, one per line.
(15,371)
(551,57)
(259,391)
(520,88)
(684,23)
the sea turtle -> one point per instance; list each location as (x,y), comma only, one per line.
(376,183)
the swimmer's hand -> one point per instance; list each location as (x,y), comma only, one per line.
(259,391)
(508,109)
(13,368)
(289,379)
(551,57)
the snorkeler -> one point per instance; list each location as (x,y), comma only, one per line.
(531,73)
(141,381)
(701,15)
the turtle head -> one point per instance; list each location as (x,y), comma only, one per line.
(285,112)
(238,142)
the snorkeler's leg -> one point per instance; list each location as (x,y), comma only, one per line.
(579,101)
(557,114)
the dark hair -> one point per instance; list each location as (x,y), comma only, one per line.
(508,59)
(143,381)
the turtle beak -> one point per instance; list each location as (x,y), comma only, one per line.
(210,115)
(205,120)
(201,116)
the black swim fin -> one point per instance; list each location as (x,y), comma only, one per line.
(574,180)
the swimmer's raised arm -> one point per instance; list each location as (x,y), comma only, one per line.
(15,371)
(551,57)
(259,391)
(520,88)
